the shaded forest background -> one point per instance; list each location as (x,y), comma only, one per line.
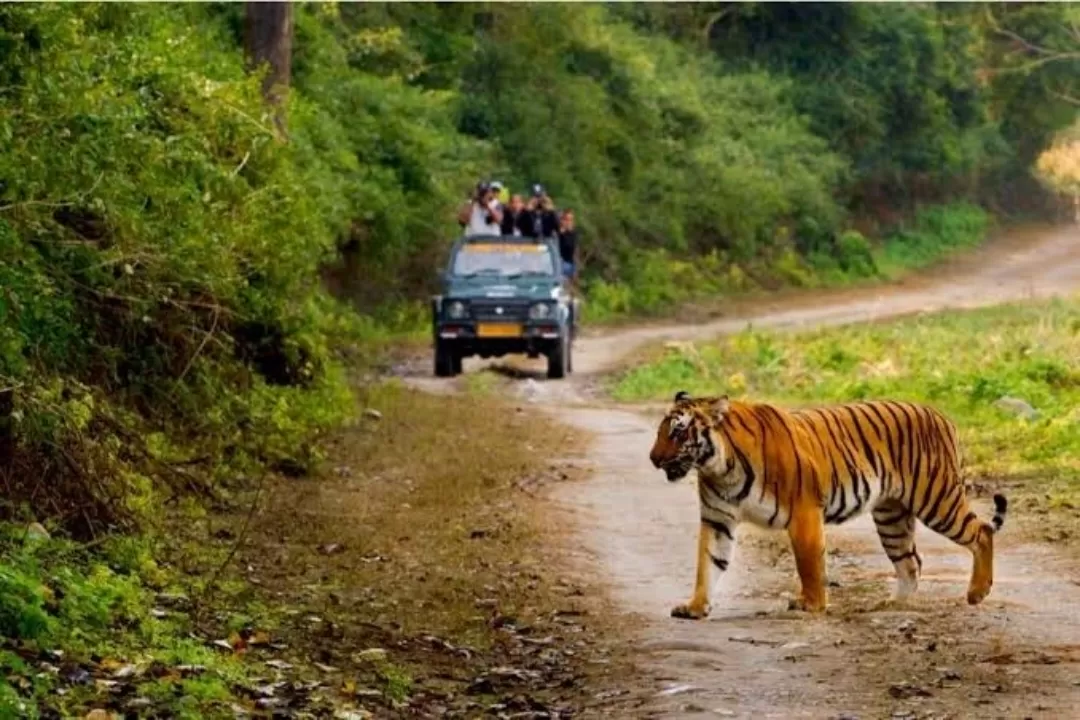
(167,236)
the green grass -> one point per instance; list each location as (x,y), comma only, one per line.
(936,233)
(97,611)
(960,362)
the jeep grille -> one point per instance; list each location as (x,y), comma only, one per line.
(488,310)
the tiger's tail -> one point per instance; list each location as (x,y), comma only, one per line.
(1001,509)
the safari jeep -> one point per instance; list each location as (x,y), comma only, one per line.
(503,295)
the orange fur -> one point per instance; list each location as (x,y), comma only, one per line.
(799,470)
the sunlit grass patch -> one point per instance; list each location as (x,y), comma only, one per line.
(964,363)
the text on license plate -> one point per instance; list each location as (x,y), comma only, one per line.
(498,330)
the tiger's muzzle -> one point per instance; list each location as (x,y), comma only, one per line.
(674,469)
(665,455)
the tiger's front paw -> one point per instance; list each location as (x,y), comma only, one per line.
(690,611)
(804,604)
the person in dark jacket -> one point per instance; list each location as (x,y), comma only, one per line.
(516,219)
(568,243)
(542,208)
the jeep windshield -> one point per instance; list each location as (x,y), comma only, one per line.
(503,260)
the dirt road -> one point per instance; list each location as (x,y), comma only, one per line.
(1011,657)
(1015,656)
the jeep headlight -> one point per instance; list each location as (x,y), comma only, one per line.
(540,311)
(455,310)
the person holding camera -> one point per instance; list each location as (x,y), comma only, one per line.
(481,214)
(542,210)
(516,220)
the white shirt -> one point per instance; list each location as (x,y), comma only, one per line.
(478,223)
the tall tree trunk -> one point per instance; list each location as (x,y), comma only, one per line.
(268,33)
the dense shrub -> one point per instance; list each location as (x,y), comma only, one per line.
(161,250)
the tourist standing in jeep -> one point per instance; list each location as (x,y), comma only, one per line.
(481,214)
(542,208)
(516,220)
(568,243)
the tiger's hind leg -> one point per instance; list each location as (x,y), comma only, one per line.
(896,529)
(958,522)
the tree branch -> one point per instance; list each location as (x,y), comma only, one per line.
(56,203)
(706,32)
(1067,98)
(1047,54)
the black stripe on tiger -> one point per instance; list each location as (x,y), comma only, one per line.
(775,467)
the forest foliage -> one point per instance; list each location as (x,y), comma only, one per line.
(165,328)
(757,136)
(163,244)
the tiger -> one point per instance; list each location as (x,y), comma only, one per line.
(801,470)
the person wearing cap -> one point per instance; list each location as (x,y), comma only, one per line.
(481,214)
(542,209)
(497,191)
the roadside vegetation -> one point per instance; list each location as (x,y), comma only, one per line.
(656,284)
(411,575)
(1008,376)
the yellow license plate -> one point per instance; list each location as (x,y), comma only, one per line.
(498,330)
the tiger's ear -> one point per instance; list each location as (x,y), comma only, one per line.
(719,407)
(681,395)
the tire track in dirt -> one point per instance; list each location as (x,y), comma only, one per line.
(1016,655)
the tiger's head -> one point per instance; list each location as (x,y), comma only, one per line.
(683,440)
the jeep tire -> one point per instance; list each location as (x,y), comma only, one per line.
(559,363)
(447,363)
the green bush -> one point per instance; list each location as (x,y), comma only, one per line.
(92,607)
(22,604)
(651,281)
(161,256)
(855,255)
(934,233)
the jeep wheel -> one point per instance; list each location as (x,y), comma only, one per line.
(559,359)
(445,365)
